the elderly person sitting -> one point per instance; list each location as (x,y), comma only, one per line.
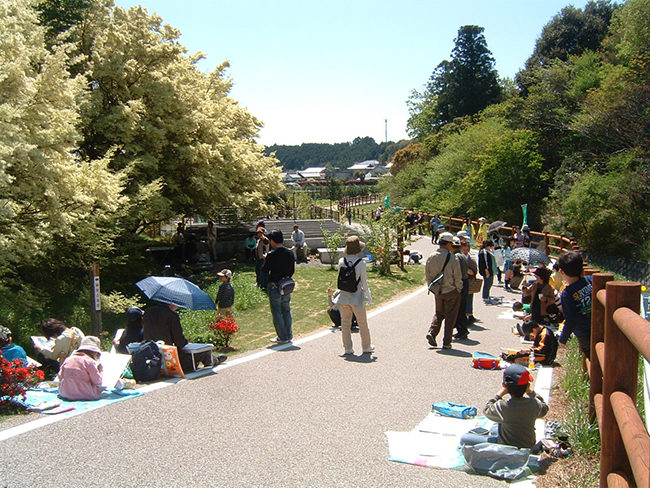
(81,373)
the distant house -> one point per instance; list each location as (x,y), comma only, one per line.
(368,170)
(314,173)
(290,177)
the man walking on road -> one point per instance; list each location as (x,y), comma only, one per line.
(448,300)
(279,263)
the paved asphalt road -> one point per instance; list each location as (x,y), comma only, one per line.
(300,417)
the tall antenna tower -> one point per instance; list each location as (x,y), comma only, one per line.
(385,130)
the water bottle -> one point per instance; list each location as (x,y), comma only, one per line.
(531,360)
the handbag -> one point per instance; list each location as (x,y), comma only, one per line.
(435,286)
(286,285)
(474,284)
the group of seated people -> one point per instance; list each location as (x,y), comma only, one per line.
(68,354)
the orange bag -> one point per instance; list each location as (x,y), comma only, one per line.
(171,362)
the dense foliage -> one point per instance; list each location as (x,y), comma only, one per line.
(573,141)
(338,155)
(107,126)
(462,86)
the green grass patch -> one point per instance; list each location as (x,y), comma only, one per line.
(308,303)
(583,434)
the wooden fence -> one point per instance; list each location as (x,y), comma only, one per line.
(618,335)
(358,200)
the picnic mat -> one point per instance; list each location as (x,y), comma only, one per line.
(34,398)
(434,443)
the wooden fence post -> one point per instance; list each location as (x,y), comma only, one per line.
(597,335)
(620,374)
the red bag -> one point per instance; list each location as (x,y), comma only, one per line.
(483,360)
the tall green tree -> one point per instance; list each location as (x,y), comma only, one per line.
(184,144)
(462,86)
(571,32)
(56,208)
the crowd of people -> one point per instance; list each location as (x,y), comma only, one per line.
(548,297)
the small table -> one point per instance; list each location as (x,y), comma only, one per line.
(193,348)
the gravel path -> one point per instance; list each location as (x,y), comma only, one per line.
(299,417)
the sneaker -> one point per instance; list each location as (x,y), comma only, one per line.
(277,340)
(347,353)
(370,350)
(432,340)
(461,337)
(448,346)
(218,359)
(471,319)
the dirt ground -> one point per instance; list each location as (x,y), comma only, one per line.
(575,471)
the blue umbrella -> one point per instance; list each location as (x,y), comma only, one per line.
(176,291)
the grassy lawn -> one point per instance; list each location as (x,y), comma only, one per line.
(308,303)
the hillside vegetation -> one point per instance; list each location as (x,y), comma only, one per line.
(569,137)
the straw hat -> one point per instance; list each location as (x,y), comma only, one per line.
(90,344)
(354,246)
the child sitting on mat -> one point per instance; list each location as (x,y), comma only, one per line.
(515,417)
(544,342)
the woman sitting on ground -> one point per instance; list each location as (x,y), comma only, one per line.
(65,340)
(81,373)
(133,330)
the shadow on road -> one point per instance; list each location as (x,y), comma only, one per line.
(363,358)
(454,352)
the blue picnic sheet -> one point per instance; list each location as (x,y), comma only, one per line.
(36,397)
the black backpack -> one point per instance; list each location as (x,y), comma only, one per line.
(146,361)
(348,280)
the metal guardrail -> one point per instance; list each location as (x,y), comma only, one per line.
(618,335)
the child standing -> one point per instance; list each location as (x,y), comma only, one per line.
(576,301)
(226,294)
(515,417)
(11,351)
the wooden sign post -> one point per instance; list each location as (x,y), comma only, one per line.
(95,301)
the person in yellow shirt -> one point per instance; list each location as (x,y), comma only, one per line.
(482,233)
(469,229)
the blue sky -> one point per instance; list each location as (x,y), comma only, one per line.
(332,71)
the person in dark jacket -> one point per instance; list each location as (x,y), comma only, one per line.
(279,263)
(226,294)
(132,331)
(162,323)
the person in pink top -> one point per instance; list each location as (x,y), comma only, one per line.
(81,373)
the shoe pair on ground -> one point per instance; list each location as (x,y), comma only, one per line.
(351,353)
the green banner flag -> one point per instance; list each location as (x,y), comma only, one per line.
(524,210)
(386,202)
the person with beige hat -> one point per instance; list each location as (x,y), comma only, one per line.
(81,373)
(353,300)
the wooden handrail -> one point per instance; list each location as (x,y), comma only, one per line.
(632,429)
(618,335)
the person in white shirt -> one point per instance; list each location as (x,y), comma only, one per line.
(298,238)
(354,303)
